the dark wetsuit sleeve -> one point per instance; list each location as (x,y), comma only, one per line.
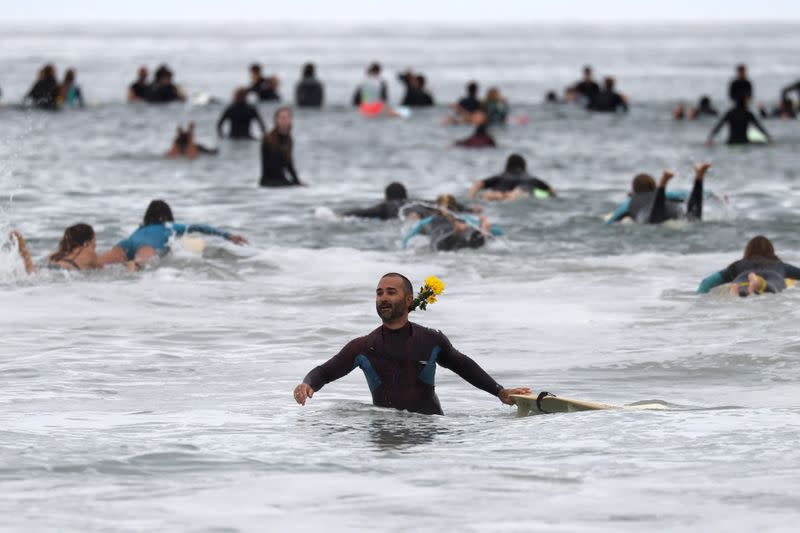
(357,97)
(725,118)
(257,117)
(376,211)
(791,271)
(292,172)
(468,369)
(225,116)
(336,367)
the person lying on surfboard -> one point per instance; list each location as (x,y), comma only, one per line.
(152,238)
(757,272)
(651,204)
(399,358)
(512,184)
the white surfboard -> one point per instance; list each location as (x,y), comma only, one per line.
(537,404)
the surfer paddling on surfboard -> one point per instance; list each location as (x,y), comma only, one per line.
(399,358)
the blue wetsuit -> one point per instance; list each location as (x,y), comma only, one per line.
(157,236)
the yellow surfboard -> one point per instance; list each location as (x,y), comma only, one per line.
(546,403)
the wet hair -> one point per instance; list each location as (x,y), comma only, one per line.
(374,68)
(643,183)
(587,69)
(240,95)
(157,212)
(421,81)
(395,191)
(551,96)
(181,140)
(472,88)
(74,236)
(308,70)
(515,163)
(142,72)
(448,201)
(255,67)
(69,76)
(272,138)
(492,94)
(48,71)
(741,67)
(705,102)
(760,246)
(408,288)
(162,72)
(609,83)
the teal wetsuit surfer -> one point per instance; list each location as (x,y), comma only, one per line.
(151,239)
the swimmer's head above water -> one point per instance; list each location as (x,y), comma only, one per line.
(395,191)
(760,246)
(643,183)
(158,212)
(75,237)
(515,164)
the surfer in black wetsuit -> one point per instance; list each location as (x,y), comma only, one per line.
(399,358)
(784,110)
(163,90)
(139,91)
(44,93)
(740,87)
(704,109)
(608,100)
(276,153)
(738,119)
(265,88)
(394,197)
(649,204)
(759,271)
(513,183)
(241,115)
(416,95)
(309,91)
(586,89)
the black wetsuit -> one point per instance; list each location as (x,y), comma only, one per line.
(607,102)
(385,210)
(417,98)
(773,271)
(738,119)
(164,93)
(470,104)
(140,90)
(400,367)
(740,90)
(44,93)
(653,207)
(275,161)
(240,115)
(309,93)
(508,181)
(264,90)
(445,238)
(587,89)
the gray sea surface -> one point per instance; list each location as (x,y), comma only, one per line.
(162,400)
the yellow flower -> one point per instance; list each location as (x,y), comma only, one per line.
(435,284)
(431,299)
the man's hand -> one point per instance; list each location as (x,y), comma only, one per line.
(304,391)
(237,239)
(505,394)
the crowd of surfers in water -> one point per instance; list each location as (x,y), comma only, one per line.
(447,223)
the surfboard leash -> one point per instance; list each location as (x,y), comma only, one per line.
(542,396)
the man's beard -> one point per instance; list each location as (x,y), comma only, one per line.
(388,314)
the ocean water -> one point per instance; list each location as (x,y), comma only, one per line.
(162,400)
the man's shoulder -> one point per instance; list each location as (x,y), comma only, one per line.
(428,332)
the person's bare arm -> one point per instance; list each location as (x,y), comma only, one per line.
(30,268)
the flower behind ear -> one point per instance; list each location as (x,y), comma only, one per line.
(427,294)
